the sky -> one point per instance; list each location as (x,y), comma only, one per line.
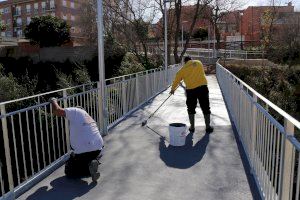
(296,3)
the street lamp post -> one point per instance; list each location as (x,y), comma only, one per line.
(241,14)
(101,65)
(182,39)
(166,40)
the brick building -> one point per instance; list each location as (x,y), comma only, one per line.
(187,15)
(252,19)
(247,25)
(16,14)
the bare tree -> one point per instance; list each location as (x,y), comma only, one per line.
(134,19)
(220,8)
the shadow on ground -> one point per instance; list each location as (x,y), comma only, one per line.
(63,188)
(185,156)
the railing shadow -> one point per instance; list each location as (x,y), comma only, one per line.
(186,156)
(63,188)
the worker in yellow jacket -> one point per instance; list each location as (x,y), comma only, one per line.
(193,75)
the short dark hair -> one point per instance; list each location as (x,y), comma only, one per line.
(187,58)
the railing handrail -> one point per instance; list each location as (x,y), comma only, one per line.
(78,86)
(46,93)
(264,99)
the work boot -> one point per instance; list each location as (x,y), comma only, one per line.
(209,129)
(93,168)
(192,122)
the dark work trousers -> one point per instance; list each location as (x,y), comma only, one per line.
(78,164)
(200,94)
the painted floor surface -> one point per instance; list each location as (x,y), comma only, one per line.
(139,164)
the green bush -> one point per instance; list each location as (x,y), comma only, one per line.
(130,65)
(281,85)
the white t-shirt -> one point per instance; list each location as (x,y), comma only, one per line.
(84,133)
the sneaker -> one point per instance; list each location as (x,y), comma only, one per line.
(192,130)
(93,167)
(209,129)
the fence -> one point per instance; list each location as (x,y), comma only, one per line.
(34,139)
(224,53)
(270,144)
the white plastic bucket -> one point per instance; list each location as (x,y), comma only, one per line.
(178,133)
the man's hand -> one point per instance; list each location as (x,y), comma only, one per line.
(52,99)
(172,92)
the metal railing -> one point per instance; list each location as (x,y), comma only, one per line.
(33,138)
(270,144)
(229,54)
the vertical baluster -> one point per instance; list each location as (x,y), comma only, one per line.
(35,140)
(6,147)
(277,161)
(15,147)
(22,146)
(47,132)
(58,137)
(286,173)
(1,179)
(52,131)
(29,142)
(298,178)
(42,137)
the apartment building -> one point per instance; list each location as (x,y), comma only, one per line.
(16,14)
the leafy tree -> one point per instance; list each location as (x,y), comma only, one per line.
(47,31)
(130,65)
(2,26)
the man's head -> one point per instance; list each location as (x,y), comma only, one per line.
(187,59)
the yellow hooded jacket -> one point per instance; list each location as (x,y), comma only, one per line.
(193,75)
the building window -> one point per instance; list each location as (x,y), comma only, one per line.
(36,7)
(72,5)
(2,34)
(52,5)
(28,8)
(6,10)
(28,20)
(8,34)
(19,21)
(72,17)
(43,7)
(8,22)
(19,33)
(1,11)
(18,10)
(64,2)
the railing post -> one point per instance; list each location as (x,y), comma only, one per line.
(137,89)
(102,112)
(287,167)
(124,101)
(147,84)
(66,121)
(253,132)
(6,148)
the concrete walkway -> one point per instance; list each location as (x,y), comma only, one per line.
(139,163)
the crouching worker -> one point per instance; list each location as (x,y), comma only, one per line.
(85,140)
(193,75)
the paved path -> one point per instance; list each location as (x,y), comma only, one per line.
(139,163)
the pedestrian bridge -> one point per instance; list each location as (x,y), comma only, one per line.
(250,155)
